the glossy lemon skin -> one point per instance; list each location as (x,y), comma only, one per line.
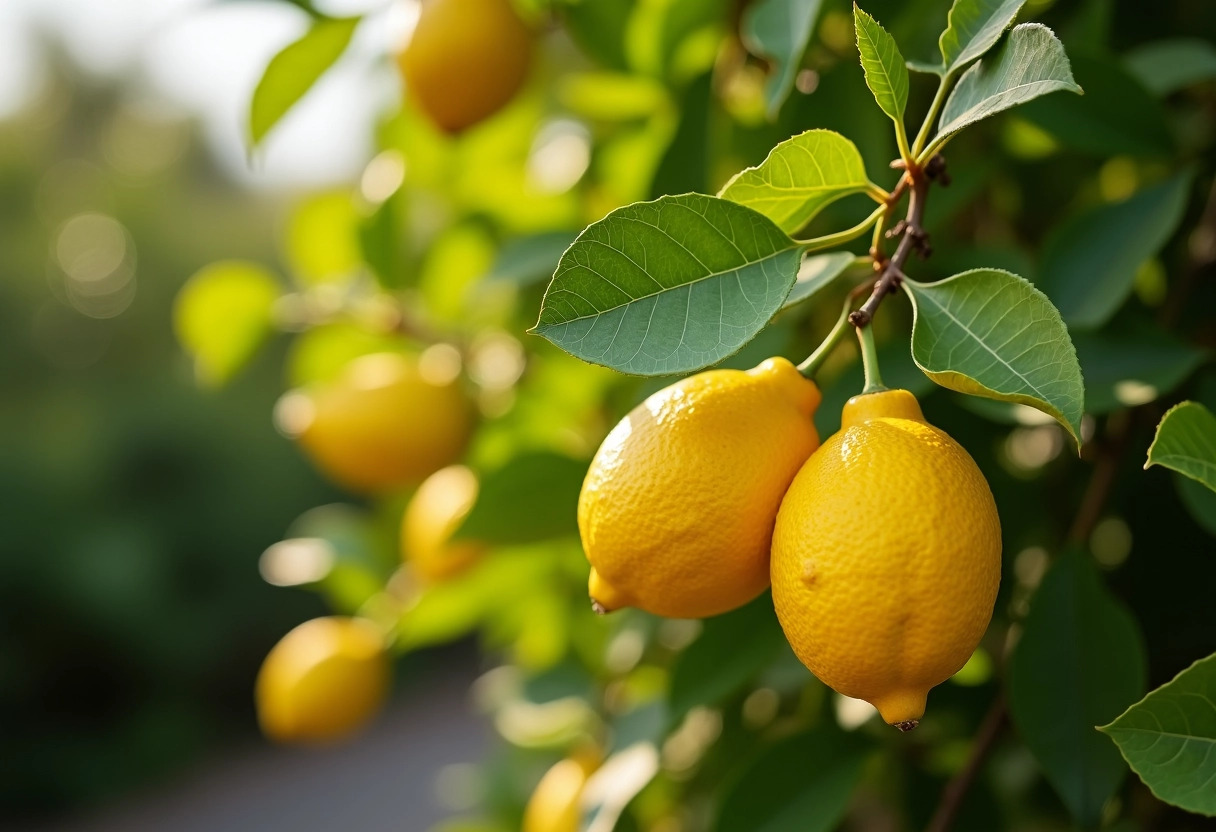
(554,804)
(323,681)
(383,424)
(466,60)
(676,512)
(433,515)
(886,557)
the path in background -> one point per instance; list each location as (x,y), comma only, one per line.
(383,782)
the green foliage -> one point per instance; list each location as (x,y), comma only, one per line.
(1079,662)
(1090,262)
(293,71)
(531,498)
(1168,738)
(974,27)
(817,273)
(1128,368)
(886,74)
(799,178)
(1166,66)
(779,30)
(222,315)
(631,294)
(992,334)
(1186,442)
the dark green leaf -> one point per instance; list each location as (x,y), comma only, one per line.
(803,783)
(1169,738)
(684,166)
(1030,64)
(1079,663)
(1186,443)
(990,333)
(730,652)
(1166,66)
(528,260)
(778,31)
(886,74)
(1126,369)
(1199,500)
(1090,262)
(974,27)
(1117,115)
(818,272)
(291,73)
(533,497)
(799,178)
(668,286)
(599,28)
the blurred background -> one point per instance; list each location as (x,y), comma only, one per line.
(137,499)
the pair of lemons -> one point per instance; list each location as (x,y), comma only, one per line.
(882,545)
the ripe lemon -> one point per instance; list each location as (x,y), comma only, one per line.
(554,805)
(384,423)
(886,557)
(676,512)
(323,681)
(434,513)
(466,59)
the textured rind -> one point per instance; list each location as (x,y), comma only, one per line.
(676,513)
(886,560)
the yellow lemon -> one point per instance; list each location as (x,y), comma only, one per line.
(387,421)
(434,513)
(554,805)
(886,557)
(323,681)
(465,60)
(676,512)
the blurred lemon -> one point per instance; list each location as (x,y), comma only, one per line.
(554,805)
(323,681)
(676,512)
(886,557)
(433,515)
(466,59)
(385,422)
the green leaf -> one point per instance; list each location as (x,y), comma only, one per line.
(527,260)
(1166,66)
(818,272)
(1199,501)
(291,73)
(1079,663)
(990,333)
(669,286)
(322,241)
(1186,443)
(533,497)
(1126,369)
(803,783)
(684,166)
(886,74)
(221,316)
(1032,63)
(1090,262)
(799,178)
(380,242)
(974,27)
(730,652)
(778,31)
(1116,116)
(1169,738)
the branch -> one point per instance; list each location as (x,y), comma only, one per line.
(956,789)
(913,237)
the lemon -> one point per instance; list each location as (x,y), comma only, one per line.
(323,681)
(676,512)
(554,805)
(384,423)
(465,60)
(886,557)
(433,515)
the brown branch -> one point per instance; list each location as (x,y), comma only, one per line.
(913,238)
(956,789)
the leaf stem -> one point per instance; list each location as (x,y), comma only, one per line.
(833,240)
(901,139)
(814,362)
(922,135)
(869,361)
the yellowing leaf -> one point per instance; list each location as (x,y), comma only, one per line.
(221,316)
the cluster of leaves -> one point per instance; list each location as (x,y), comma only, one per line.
(715,725)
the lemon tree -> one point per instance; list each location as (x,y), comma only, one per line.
(639,308)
